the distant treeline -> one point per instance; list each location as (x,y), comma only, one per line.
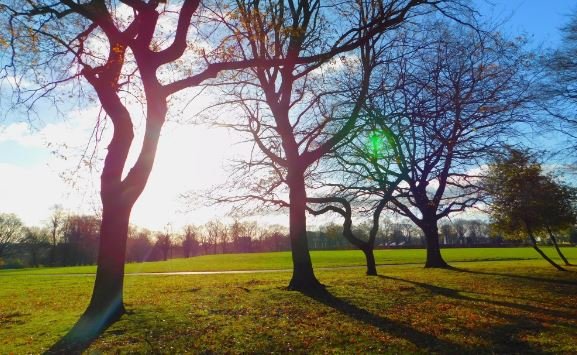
(73,239)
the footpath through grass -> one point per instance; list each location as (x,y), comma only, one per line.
(321,259)
(480,307)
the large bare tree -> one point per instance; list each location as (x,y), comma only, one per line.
(455,95)
(121,49)
(297,111)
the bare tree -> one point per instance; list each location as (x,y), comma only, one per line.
(139,245)
(190,241)
(56,224)
(274,238)
(558,94)
(216,232)
(454,96)
(11,229)
(291,111)
(80,239)
(460,229)
(223,238)
(370,167)
(204,239)
(366,245)
(242,235)
(164,244)
(35,240)
(447,232)
(121,50)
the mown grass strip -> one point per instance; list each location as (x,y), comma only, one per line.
(340,258)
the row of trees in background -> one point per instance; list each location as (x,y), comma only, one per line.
(67,240)
(73,239)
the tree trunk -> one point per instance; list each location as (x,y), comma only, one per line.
(52,256)
(106,305)
(370,257)
(534,242)
(561,255)
(109,282)
(303,278)
(434,257)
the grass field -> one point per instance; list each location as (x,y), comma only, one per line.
(321,259)
(518,304)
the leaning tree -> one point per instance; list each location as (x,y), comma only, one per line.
(526,202)
(560,214)
(363,172)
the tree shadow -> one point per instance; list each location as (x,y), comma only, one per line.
(503,337)
(530,278)
(422,340)
(84,332)
(457,295)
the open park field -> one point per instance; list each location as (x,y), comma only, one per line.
(493,301)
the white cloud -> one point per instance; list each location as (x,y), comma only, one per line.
(20,133)
(29,191)
(188,158)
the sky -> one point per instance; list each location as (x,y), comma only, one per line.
(538,19)
(36,163)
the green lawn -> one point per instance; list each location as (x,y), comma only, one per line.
(510,306)
(282,260)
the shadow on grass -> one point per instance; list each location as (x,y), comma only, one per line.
(84,332)
(457,295)
(504,337)
(420,339)
(530,278)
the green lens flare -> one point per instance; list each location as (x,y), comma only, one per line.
(378,144)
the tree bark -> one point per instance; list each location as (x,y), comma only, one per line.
(303,278)
(434,257)
(106,305)
(370,257)
(534,242)
(554,240)
(107,295)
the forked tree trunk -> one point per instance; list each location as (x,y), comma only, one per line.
(303,278)
(536,247)
(434,257)
(554,240)
(118,197)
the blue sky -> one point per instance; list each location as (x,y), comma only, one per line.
(539,19)
(30,173)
